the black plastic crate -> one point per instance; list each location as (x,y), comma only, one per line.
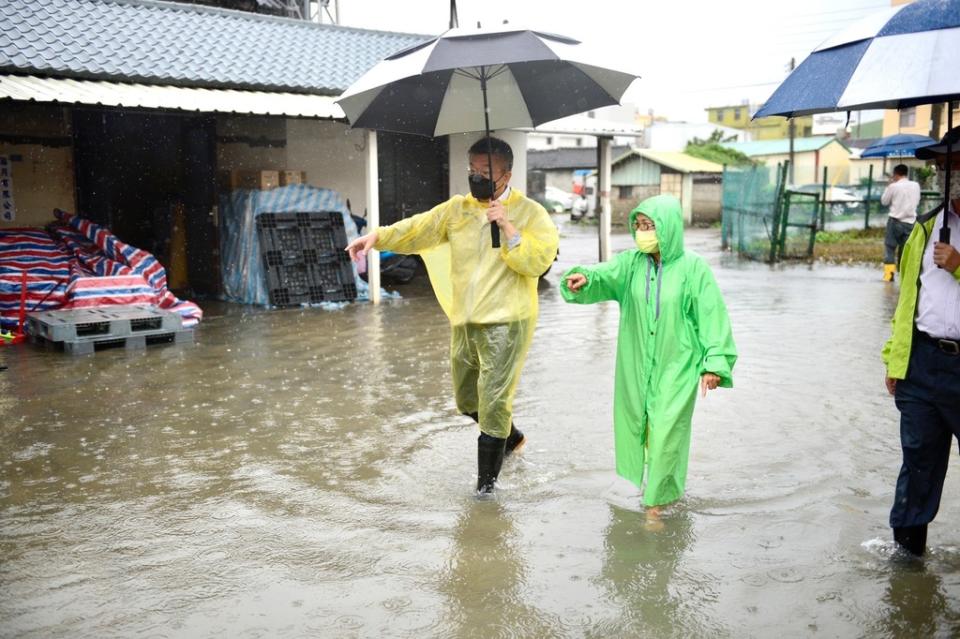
(304,259)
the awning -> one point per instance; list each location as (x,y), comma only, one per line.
(147,96)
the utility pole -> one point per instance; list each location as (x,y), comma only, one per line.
(792,127)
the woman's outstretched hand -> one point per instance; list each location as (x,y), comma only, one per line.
(576,281)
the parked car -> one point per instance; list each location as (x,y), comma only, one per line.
(564,198)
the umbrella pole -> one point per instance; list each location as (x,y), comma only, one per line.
(494,229)
(945,229)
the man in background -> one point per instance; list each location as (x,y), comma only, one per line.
(902,195)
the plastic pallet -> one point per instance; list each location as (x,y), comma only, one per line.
(101,323)
(303,258)
(130,342)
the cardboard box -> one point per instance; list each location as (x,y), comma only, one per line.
(262,180)
(293,177)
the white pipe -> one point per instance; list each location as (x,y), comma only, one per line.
(373,215)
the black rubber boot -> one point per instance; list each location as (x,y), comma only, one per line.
(489,461)
(913,539)
(514,439)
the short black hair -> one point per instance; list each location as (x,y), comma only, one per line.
(901,169)
(497,147)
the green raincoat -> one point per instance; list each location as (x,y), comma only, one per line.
(673,328)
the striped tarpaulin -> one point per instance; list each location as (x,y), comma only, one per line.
(80,264)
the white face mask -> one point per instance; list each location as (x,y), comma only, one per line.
(954,183)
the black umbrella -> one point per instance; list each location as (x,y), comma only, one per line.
(476,79)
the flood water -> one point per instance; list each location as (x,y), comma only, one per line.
(303,473)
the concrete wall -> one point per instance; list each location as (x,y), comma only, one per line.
(707,200)
(333,155)
(560,178)
(37,139)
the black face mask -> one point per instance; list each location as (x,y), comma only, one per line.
(481,187)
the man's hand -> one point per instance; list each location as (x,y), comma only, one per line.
(497,214)
(360,246)
(576,281)
(946,257)
(891,385)
(708,381)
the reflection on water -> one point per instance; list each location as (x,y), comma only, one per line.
(304,473)
(638,570)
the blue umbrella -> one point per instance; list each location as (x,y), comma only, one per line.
(901,57)
(898,58)
(899,144)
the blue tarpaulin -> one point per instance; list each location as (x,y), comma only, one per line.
(243,276)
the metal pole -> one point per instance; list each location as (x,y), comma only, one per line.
(945,229)
(823,201)
(793,129)
(866,205)
(373,215)
(604,176)
(454,21)
(494,229)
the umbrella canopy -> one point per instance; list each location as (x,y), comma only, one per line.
(898,58)
(899,144)
(441,86)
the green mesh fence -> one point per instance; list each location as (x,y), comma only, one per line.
(765,220)
(751,210)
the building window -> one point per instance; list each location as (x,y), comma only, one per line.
(719,115)
(736,115)
(908,117)
(626,192)
(549,140)
(579,141)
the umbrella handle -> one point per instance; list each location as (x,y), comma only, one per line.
(494,229)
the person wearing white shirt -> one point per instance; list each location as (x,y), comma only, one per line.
(902,196)
(922,356)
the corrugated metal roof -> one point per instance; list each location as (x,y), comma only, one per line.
(168,43)
(583,157)
(676,160)
(151,96)
(780,147)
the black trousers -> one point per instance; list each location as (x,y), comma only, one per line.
(929,404)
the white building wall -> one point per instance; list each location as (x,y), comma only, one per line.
(332,154)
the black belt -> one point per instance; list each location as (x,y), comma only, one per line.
(948,346)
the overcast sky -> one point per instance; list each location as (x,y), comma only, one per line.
(691,54)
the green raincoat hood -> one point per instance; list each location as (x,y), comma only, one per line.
(665,211)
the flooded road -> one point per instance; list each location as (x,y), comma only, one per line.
(303,473)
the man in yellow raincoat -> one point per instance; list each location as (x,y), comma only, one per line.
(489,294)
(674,333)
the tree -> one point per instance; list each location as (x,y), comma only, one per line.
(713,150)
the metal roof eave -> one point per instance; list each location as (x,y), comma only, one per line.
(153,96)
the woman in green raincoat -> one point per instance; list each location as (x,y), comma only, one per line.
(674,334)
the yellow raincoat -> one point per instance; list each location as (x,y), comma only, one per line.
(489,295)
